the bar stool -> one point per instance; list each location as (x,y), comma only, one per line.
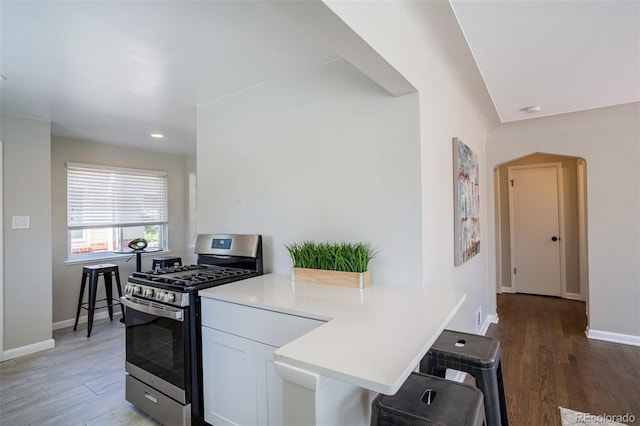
(93,272)
(166,262)
(476,355)
(425,400)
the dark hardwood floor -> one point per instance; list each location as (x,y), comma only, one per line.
(548,362)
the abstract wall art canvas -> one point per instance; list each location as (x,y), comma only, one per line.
(467,202)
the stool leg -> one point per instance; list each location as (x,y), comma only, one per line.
(489,387)
(84,282)
(119,288)
(503,402)
(93,289)
(108,287)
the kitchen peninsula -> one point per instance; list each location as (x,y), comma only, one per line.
(334,348)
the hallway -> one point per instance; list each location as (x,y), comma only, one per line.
(548,362)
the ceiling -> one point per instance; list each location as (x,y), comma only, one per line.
(562,56)
(114,71)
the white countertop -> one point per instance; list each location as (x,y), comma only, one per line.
(373,338)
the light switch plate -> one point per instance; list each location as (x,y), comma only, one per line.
(20,222)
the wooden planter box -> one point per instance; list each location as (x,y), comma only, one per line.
(320,276)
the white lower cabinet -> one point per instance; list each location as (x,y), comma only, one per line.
(241,386)
(269,402)
(240,383)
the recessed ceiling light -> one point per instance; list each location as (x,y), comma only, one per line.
(532,109)
(157,135)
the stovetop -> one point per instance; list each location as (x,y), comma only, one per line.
(189,277)
(222,259)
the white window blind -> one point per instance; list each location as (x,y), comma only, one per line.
(100,196)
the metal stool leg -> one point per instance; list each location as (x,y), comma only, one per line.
(119,288)
(503,400)
(93,289)
(108,287)
(82,286)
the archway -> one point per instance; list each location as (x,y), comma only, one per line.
(574,238)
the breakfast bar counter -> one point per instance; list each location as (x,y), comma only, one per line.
(367,340)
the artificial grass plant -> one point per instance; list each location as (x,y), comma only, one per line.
(348,257)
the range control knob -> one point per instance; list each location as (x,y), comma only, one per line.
(135,289)
(148,292)
(127,289)
(169,297)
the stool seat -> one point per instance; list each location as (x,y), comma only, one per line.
(91,273)
(101,267)
(161,262)
(478,356)
(425,400)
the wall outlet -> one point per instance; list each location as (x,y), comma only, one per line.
(20,222)
(478,319)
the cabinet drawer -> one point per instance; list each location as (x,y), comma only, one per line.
(269,327)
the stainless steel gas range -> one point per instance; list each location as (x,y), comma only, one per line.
(162,319)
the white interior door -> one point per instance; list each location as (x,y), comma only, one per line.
(535,194)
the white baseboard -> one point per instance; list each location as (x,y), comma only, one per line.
(626,339)
(570,296)
(574,296)
(83,320)
(490,319)
(28,349)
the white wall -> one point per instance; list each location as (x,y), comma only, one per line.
(38,288)
(1,248)
(67,277)
(423,41)
(609,140)
(325,155)
(27,252)
(192,207)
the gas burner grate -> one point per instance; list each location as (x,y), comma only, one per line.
(169,270)
(190,276)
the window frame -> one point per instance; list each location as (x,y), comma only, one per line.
(115,241)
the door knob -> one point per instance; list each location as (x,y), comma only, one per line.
(554,238)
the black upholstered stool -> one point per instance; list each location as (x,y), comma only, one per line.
(166,262)
(425,400)
(92,273)
(476,355)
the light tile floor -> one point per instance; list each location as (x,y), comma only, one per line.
(79,382)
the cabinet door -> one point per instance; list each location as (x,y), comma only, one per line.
(269,387)
(229,379)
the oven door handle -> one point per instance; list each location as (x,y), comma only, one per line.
(149,308)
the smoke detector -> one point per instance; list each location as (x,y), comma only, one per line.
(532,109)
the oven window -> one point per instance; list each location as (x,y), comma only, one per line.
(157,345)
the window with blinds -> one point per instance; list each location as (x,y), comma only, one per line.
(107,207)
